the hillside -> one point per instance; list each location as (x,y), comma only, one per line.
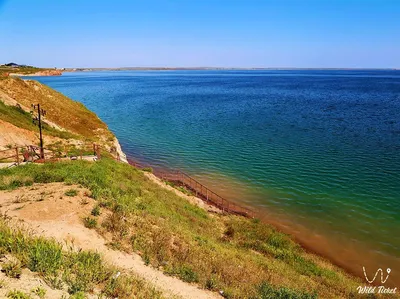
(74,225)
(67,123)
(10,69)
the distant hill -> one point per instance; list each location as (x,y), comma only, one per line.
(14,69)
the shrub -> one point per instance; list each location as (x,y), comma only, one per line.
(12,269)
(79,295)
(15,294)
(71,192)
(45,256)
(187,274)
(210,284)
(267,291)
(40,292)
(229,232)
(96,211)
(84,270)
(90,222)
(125,287)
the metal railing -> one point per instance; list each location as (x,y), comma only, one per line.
(206,194)
(31,153)
(180,178)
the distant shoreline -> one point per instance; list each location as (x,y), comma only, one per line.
(221,69)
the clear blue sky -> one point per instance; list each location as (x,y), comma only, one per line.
(228,33)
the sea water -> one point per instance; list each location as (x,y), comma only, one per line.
(316,151)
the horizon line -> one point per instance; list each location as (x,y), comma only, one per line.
(225,68)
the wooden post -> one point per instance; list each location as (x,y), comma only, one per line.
(16,152)
(98,151)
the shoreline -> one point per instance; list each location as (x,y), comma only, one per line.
(318,245)
(45,73)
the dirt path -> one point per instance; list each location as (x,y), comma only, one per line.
(48,211)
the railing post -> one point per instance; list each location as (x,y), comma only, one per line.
(98,151)
(16,152)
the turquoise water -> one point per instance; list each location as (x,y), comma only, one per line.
(317,148)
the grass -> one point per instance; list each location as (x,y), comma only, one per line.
(147,169)
(12,269)
(266,291)
(76,271)
(71,192)
(241,257)
(79,295)
(96,211)
(16,294)
(179,187)
(40,292)
(90,222)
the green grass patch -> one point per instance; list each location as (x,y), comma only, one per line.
(90,222)
(11,269)
(71,192)
(40,292)
(80,271)
(96,211)
(16,294)
(266,291)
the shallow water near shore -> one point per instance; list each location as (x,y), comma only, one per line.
(318,151)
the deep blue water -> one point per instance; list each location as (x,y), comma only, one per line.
(318,147)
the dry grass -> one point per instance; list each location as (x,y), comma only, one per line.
(244,258)
(61,110)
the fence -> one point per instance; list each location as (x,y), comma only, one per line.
(180,178)
(201,191)
(31,153)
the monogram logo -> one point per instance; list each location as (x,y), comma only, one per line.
(376,274)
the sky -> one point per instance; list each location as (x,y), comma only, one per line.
(193,33)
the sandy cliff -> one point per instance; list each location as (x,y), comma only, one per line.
(40,73)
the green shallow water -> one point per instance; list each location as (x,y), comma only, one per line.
(317,151)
